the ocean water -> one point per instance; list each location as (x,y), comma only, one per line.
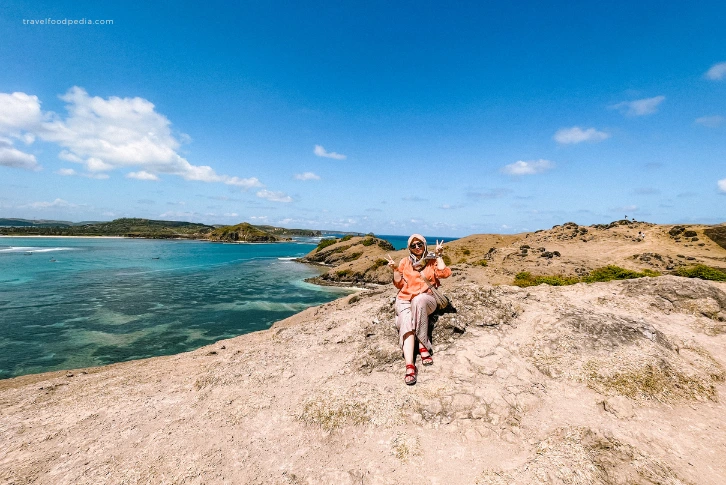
(79,302)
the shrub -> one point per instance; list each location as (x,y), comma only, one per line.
(347,237)
(369,241)
(525,279)
(466,252)
(447,260)
(609,273)
(701,271)
(343,273)
(325,243)
(481,262)
(385,245)
(377,264)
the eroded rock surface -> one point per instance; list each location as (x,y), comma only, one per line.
(608,383)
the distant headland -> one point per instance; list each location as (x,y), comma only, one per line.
(157,229)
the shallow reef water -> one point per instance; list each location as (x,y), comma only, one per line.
(79,302)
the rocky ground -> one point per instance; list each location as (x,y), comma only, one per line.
(603,383)
(567,249)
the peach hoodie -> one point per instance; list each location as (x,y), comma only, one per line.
(412,284)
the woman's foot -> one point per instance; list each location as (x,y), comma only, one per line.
(426,358)
(410,377)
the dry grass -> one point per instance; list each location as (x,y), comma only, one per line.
(582,456)
(332,413)
(656,380)
(404,446)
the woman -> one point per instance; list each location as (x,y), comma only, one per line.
(414,302)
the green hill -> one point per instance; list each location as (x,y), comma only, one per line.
(243,232)
(129,227)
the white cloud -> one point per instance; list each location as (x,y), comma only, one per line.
(528,168)
(639,107)
(578,135)
(722,185)
(231,214)
(107,134)
(14,158)
(307,176)
(19,112)
(710,121)
(46,205)
(716,72)
(320,151)
(69,157)
(95,165)
(141,175)
(68,172)
(274,196)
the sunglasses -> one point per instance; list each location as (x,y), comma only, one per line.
(416,245)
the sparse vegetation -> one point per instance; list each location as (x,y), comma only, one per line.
(447,260)
(607,273)
(525,278)
(377,264)
(325,243)
(610,273)
(466,252)
(701,271)
(331,414)
(658,381)
(369,241)
(481,262)
(385,245)
(347,237)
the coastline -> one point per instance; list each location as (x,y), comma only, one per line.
(259,309)
(527,383)
(78,237)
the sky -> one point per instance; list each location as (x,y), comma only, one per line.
(444,118)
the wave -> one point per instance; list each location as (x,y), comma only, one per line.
(287,259)
(32,249)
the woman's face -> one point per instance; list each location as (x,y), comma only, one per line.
(417,248)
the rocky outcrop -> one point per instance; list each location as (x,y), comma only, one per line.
(354,260)
(600,383)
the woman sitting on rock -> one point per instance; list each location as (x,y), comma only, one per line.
(414,302)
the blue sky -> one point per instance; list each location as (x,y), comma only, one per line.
(392,117)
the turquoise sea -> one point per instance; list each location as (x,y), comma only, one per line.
(78,302)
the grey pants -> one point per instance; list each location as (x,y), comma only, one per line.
(413,317)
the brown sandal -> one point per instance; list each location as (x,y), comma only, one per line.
(410,377)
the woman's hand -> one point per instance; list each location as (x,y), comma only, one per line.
(391,262)
(439,248)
